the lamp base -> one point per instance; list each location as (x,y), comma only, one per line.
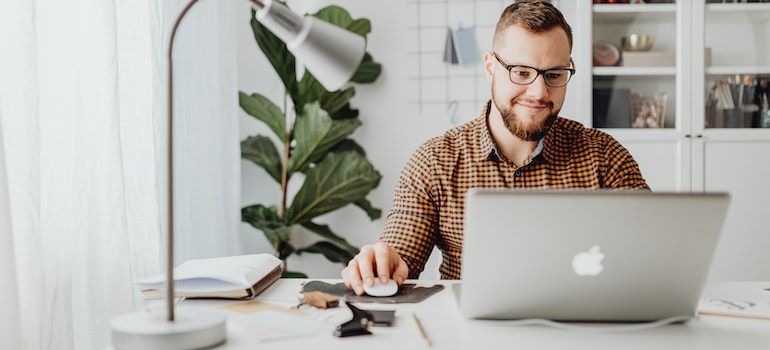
(150,330)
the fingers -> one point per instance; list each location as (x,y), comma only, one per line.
(374,260)
(352,277)
(384,256)
(401,272)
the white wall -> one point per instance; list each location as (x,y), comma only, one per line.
(392,126)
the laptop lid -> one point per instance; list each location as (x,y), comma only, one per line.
(587,255)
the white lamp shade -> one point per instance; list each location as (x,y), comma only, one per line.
(332,54)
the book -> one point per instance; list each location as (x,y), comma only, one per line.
(757,309)
(232,277)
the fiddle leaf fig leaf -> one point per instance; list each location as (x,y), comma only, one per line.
(335,15)
(339,179)
(325,232)
(309,90)
(335,101)
(368,71)
(361,26)
(263,109)
(266,220)
(371,211)
(315,133)
(332,252)
(261,150)
(277,54)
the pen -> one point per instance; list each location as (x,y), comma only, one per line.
(422,330)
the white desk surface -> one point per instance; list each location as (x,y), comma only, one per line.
(448,330)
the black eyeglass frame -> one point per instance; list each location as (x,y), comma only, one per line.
(542,72)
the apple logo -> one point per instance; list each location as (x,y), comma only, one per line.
(588,263)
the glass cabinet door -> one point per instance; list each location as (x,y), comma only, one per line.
(737,64)
(634,65)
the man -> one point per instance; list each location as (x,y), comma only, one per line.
(517,142)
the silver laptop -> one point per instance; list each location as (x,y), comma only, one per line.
(587,255)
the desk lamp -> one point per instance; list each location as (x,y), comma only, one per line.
(332,55)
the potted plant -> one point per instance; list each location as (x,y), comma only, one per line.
(314,148)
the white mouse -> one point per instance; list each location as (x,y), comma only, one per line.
(381,290)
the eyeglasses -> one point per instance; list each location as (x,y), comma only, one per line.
(525,75)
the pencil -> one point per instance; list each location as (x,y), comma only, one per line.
(422,330)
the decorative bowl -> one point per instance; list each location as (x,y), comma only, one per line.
(637,42)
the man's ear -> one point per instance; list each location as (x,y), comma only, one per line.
(489,65)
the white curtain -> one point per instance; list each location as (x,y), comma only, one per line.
(9,297)
(82,125)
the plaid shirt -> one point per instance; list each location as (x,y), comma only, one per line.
(430,194)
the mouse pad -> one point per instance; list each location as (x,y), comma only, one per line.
(407,292)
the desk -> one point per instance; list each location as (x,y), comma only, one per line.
(448,330)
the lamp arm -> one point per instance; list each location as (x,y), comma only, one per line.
(332,54)
(170,175)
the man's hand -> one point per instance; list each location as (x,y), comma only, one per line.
(379,259)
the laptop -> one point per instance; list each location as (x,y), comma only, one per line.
(587,255)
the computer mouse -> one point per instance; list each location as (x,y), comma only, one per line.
(381,290)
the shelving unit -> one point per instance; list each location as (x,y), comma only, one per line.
(692,153)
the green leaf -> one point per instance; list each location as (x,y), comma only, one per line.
(361,26)
(368,71)
(277,54)
(263,109)
(261,150)
(335,101)
(339,179)
(325,232)
(266,220)
(348,145)
(335,15)
(332,252)
(309,90)
(284,249)
(345,113)
(371,211)
(315,133)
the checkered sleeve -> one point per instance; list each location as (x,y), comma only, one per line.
(412,219)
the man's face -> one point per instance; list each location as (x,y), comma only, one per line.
(528,110)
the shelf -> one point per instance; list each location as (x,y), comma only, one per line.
(633,8)
(730,70)
(633,71)
(726,13)
(625,13)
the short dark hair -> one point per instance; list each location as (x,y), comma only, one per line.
(535,16)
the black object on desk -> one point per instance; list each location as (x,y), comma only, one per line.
(407,292)
(359,325)
(382,318)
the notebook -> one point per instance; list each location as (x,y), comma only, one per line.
(579,255)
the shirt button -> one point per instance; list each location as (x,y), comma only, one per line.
(517,173)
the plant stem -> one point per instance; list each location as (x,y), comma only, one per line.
(285,160)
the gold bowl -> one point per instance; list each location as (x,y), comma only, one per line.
(637,42)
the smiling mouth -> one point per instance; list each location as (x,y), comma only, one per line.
(533,108)
(533,104)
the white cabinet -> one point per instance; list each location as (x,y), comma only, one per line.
(712,137)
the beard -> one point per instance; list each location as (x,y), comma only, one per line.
(533,131)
